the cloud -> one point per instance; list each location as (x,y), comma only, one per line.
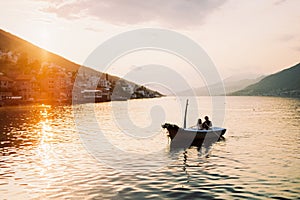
(287,37)
(44,20)
(297,48)
(279,2)
(56,2)
(93,29)
(172,13)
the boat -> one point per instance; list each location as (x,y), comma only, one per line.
(192,136)
(119,98)
(92,95)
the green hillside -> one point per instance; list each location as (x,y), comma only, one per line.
(285,83)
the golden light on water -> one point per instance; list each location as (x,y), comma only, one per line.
(43,156)
(44,149)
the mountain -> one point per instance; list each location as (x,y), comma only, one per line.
(26,50)
(30,73)
(233,84)
(230,84)
(18,55)
(285,83)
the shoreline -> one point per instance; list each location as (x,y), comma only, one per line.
(9,103)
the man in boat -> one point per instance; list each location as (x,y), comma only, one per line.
(206,124)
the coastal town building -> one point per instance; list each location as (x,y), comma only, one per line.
(25,87)
(52,83)
(5,87)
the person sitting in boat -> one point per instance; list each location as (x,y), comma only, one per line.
(199,124)
(206,124)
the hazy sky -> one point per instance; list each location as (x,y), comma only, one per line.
(240,36)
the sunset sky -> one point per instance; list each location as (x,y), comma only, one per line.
(255,36)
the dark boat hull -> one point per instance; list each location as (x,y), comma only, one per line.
(187,137)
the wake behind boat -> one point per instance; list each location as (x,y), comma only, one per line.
(192,136)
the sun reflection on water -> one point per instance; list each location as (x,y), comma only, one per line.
(43,157)
(44,149)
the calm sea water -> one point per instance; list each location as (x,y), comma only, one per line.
(46,153)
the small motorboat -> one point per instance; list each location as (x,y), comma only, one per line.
(197,134)
(192,136)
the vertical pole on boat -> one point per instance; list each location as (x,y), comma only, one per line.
(185,113)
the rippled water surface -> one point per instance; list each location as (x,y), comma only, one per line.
(47,153)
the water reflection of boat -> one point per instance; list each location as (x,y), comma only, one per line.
(192,136)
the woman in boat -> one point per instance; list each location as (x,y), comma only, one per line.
(199,124)
(206,124)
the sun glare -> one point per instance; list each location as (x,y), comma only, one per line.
(43,38)
(44,149)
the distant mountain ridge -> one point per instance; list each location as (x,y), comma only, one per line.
(230,84)
(285,83)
